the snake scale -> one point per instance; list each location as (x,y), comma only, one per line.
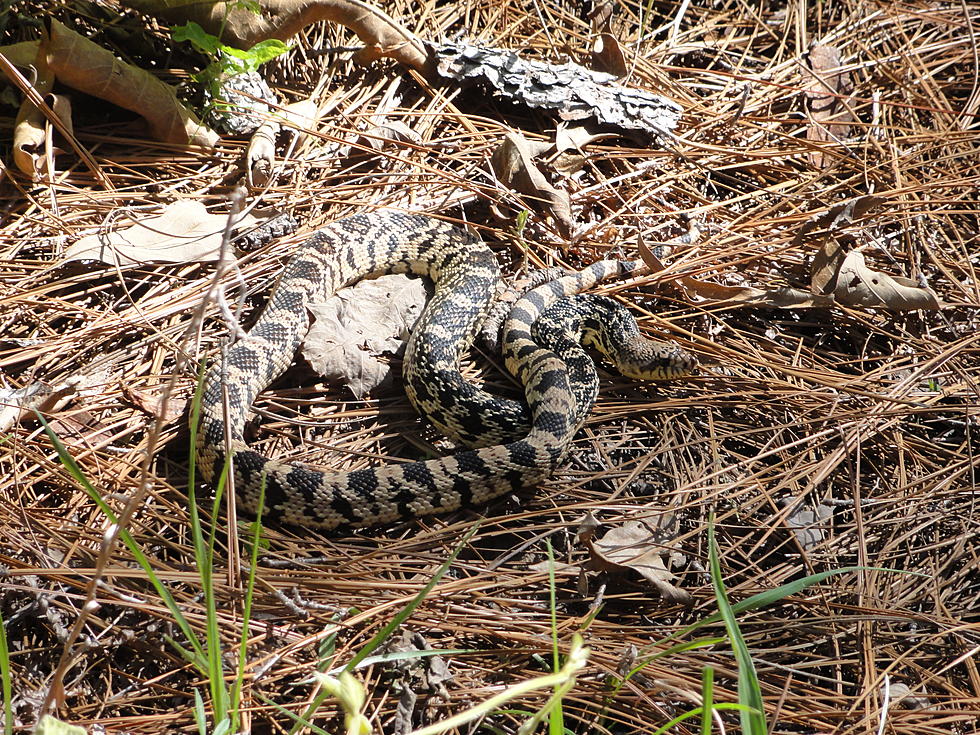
(512,446)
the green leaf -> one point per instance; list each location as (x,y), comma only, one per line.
(267,50)
(252,6)
(198,38)
(51,726)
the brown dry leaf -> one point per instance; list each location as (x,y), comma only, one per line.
(513,163)
(31,135)
(260,157)
(184,232)
(859,285)
(837,277)
(152,404)
(601,16)
(836,217)
(827,262)
(828,90)
(570,143)
(29,127)
(21,54)
(809,525)
(845,276)
(358,324)
(18,403)
(784,297)
(388,132)
(900,694)
(83,65)
(634,546)
(607,56)
(576,137)
(560,568)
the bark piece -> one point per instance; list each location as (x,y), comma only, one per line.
(572,91)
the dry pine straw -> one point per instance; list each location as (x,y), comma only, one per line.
(869,414)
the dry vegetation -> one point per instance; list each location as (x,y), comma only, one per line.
(866,413)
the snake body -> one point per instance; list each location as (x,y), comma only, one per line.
(465,273)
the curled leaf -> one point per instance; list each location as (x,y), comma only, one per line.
(86,66)
(513,162)
(859,285)
(636,547)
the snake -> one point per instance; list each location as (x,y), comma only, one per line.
(511,446)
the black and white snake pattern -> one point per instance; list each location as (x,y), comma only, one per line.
(512,446)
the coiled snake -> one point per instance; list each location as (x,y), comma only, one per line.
(513,447)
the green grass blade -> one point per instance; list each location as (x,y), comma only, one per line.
(127,538)
(555,717)
(5,681)
(382,635)
(298,720)
(769,597)
(749,694)
(204,558)
(253,561)
(694,713)
(200,715)
(707,696)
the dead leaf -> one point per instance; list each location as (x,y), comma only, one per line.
(837,277)
(607,56)
(358,324)
(900,695)
(576,137)
(808,525)
(184,232)
(152,404)
(84,65)
(23,53)
(560,568)
(239,25)
(29,126)
(384,134)
(513,163)
(827,100)
(783,297)
(261,154)
(634,546)
(570,143)
(836,217)
(31,136)
(18,403)
(601,16)
(844,275)
(859,285)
